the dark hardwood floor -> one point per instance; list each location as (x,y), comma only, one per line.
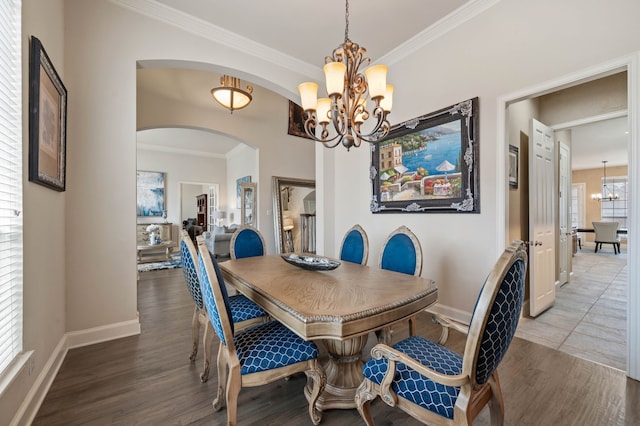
(148,380)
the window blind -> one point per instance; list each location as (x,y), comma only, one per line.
(10,182)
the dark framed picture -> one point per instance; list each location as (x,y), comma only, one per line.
(296,121)
(47,121)
(429,164)
(513,167)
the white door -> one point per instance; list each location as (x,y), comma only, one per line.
(542,232)
(565,246)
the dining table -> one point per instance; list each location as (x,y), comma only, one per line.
(337,307)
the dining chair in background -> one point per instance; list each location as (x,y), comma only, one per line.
(355,246)
(607,233)
(257,355)
(245,312)
(439,386)
(247,241)
(401,252)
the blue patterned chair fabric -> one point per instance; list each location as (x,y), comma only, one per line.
(493,325)
(354,246)
(259,349)
(409,384)
(247,242)
(244,311)
(190,274)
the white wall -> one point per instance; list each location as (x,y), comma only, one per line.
(44,223)
(241,162)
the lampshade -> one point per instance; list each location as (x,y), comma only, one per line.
(357,104)
(230,95)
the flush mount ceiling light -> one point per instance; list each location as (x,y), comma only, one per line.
(606,193)
(349,92)
(230,95)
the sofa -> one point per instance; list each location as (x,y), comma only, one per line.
(218,242)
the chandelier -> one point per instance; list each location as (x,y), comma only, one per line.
(340,116)
(606,193)
(230,95)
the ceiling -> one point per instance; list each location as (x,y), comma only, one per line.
(305,31)
(293,28)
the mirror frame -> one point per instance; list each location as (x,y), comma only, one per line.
(246,187)
(277,183)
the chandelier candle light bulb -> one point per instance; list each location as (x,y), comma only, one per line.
(340,116)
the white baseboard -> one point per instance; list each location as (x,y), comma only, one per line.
(31,404)
(91,336)
(455,314)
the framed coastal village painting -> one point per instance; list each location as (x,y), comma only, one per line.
(429,164)
(150,193)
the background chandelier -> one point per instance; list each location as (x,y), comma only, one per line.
(230,95)
(606,193)
(346,107)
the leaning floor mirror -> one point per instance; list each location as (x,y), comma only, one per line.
(294,214)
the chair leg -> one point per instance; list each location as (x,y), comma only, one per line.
(220,401)
(195,333)
(496,403)
(412,326)
(364,395)
(384,336)
(208,339)
(234,383)
(596,247)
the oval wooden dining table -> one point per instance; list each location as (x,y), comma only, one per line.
(339,307)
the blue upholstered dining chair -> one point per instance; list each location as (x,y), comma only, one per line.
(401,252)
(355,246)
(245,312)
(247,241)
(438,386)
(255,356)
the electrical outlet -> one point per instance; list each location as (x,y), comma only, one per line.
(32,364)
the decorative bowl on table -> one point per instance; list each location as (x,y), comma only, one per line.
(311,262)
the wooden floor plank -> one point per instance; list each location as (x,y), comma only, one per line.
(148,380)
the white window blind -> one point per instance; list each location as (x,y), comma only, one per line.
(10,183)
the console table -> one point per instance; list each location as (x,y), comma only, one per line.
(143,246)
(167,246)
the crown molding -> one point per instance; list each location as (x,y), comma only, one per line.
(448,23)
(207,30)
(172,150)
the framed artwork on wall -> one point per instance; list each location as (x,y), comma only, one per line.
(429,164)
(47,121)
(296,121)
(150,193)
(513,167)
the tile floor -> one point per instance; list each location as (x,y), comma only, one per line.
(589,318)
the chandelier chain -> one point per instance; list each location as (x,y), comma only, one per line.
(346,24)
